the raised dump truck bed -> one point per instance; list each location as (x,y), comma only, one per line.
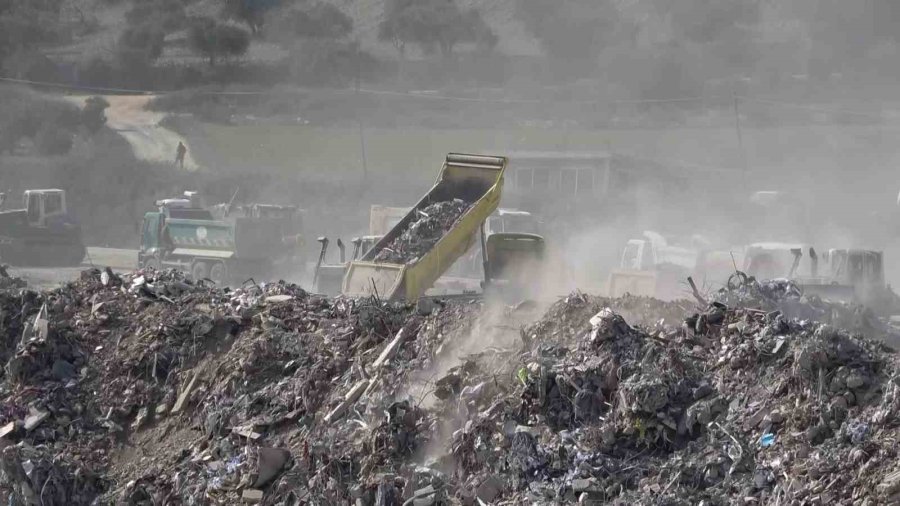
(474,179)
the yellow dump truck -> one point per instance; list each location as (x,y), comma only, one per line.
(476,179)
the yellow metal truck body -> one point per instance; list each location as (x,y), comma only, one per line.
(473,178)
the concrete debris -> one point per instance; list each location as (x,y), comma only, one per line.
(420,236)
(10,283)
(283,397)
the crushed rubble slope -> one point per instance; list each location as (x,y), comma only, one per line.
(151,389)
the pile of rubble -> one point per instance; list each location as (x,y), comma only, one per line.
(735,406)
(431,224)
(8,282)
(153,389)
(788,297)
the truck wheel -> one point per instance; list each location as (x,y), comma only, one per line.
(199,270)
(219,273)
(151,263)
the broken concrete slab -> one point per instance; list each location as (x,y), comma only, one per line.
(271,462)
(252,496)
(34,419)
(490,489)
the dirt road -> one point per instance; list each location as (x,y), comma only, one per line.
(140,127)
(120,260)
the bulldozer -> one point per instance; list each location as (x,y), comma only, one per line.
(848,275)
(329,277)
(42,234)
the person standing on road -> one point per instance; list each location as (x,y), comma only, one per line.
(180,151)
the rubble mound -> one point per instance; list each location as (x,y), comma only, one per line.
(754,408)
(150,388)
(430,225)
(8,282)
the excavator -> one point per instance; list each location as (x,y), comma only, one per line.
(42,234)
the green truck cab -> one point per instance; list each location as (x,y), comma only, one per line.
(184,236)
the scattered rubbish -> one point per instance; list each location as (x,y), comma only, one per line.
(183,392)
(421,235)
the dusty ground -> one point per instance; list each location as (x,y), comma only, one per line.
(49,278)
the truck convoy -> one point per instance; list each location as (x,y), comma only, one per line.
(41,234)
(182,234)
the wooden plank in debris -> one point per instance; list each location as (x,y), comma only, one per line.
(246,432)
(391,350)
(350,399)
(890,484)
(185,394)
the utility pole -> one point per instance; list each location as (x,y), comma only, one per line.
(740,136)
(362,138)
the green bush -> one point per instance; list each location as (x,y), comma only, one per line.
(216,41)
(53,140)
(93,116)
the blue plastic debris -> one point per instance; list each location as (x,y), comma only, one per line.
(767,440)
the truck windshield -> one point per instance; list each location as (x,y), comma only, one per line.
(190,214)
(518,224)
(52,204)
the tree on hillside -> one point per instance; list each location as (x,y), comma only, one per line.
(215,40)
(167,15)
(314,20)
(569,29)
(93,115)
(433,25)
(140,45)
(26,24)
(251,12)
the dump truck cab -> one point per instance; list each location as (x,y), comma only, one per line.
(511,221)
(182,234)
(512,262)
(652,266)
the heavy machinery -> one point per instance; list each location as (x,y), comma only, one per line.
(512,263)
(849,275)
(291,257)
(182,234)
(475,179)
(652,267)
(329,277)
(383,218)
(41,234)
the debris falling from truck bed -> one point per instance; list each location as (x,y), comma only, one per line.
(430,225)
(150,388)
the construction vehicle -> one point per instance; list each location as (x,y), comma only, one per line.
(652,267)
(475,179)
(848,275)
(329,277)
(512,262)
(41,234)
(383,218)
(292,256)
(184,235)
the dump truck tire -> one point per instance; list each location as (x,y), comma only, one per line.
(151,263)
(219,273)
(199,270)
